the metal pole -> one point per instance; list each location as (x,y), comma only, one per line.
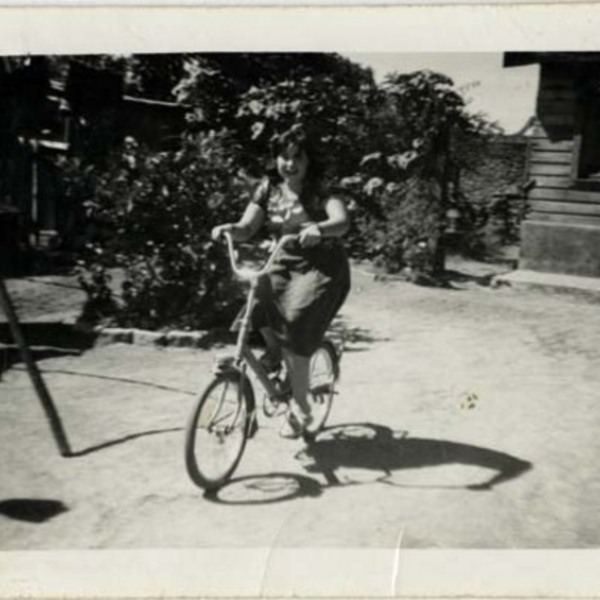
(35,209)
(34,374)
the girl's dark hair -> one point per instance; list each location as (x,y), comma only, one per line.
(297,136)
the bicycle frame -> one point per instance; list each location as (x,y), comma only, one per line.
(232,371)
(243,354)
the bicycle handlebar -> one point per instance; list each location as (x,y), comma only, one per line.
(247,273)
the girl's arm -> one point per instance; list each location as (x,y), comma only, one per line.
(338,220)
(249,224)
(336,224)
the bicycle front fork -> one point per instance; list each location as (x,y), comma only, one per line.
(227,362)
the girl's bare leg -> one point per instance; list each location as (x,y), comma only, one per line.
(298,369)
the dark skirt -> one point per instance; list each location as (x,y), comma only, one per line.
(302,293)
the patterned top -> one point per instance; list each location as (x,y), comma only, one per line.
(284,214)
(306,285)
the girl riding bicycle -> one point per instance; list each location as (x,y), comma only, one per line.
(310,280)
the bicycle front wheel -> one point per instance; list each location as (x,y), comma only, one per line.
(322,375)
(217,430)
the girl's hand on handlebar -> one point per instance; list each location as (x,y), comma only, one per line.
(310,236)
(219,230)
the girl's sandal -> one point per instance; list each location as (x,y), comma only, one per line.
(293,428)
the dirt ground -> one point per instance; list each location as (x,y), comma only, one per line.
(466,418)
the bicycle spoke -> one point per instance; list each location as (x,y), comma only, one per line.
(322,375)
(216,433)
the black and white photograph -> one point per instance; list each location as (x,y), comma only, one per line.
(299,300)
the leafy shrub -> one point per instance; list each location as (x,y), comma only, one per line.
(424,138)
(335,113)
(398,225)
(395,151)
(154,213)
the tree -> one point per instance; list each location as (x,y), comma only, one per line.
(422,137)
(335,113)
(226,89)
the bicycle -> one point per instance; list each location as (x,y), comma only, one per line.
(226,411)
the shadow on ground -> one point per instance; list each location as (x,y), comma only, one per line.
(122,440)
(45,340)
(265,489)
(10,355)
(31,510)
(451,278)
(353,339)
(367,446)
(128,380)
(51,334)
(381,449)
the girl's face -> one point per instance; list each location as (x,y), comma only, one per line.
(292,164)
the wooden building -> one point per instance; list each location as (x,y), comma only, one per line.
(561,232)
(44,120)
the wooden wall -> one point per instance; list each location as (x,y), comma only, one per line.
(158,125)
(553,153)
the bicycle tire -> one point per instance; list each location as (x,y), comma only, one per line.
(232,414)
(324,371)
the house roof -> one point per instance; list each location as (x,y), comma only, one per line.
(519,59)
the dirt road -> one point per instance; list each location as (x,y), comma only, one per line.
(467,418)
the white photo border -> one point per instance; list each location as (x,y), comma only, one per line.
(323,572)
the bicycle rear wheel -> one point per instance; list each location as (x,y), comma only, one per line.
(217,430)
(323,372)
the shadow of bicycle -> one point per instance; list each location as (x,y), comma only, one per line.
(377,449)
(269,488)
(371,447)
